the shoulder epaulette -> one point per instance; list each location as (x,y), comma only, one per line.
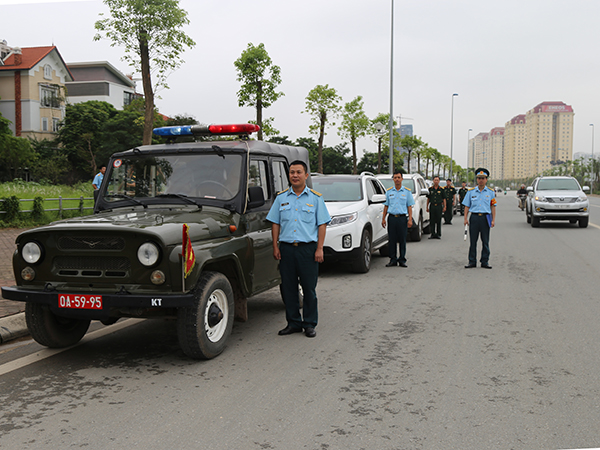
(470,189)
(390,188)
(279,193)
(408,189)
(316,193)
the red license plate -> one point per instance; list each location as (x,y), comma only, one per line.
(79,301)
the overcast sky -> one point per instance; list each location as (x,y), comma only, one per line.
(501,58)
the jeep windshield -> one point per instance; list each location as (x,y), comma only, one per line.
(558,184)
(175,177)
(336,190)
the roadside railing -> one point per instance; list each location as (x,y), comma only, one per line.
(60,209)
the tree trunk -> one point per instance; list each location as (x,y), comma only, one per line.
(354,155)
(321,137)
(148,92)
(259,110)
(379,155)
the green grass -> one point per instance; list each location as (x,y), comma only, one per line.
(29,191)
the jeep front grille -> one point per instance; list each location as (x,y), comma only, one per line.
(87,266)
(91,243)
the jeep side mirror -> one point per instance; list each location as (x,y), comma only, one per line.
(256,197)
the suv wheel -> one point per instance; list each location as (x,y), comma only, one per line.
(51,330)
(527,215)
(417,232)
(363,263)
(203,329)
(535,221)
(583,222)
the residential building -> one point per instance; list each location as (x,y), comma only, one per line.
(516,159)
(32,89)
(496,155)
(101,81)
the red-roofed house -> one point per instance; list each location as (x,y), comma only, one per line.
(32,90)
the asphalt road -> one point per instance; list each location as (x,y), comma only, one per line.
(430,357)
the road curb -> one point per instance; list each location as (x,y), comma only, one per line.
(12,327)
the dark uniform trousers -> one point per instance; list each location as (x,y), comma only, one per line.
(449,211)
(397,229)
(435,217)
(478,225)
(298,264)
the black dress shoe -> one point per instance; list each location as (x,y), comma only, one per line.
(391,264)
(438,237)
(289,330)
(402,264)
(470,266)
(431,237)
(310,332)
(486,266)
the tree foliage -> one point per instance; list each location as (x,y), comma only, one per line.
(150,32)
(355,124)
(260,79)
(322,104)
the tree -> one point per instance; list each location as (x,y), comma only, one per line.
(355,124)
(409,143)
(322,104)
(150,32)
(259,78)
(266,129)
(16,155)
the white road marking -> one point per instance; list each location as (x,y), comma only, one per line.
(595,226)
(47,353)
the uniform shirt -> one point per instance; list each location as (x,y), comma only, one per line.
(462,192)
(299,215)
(436,196)
(398,200)
(450,192)
(98,179)
(480,202)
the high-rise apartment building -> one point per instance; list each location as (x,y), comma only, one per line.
(516,159)
(496,156)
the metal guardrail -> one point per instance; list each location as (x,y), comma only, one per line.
(60,208)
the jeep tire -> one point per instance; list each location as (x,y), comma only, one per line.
(51,330)
(203,328)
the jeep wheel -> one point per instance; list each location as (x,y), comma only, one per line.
(363,263)
(417,232)
(535,222)
(583,222)
(203,329)
(51,330)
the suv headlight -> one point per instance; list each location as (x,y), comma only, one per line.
(540,198)
(32,252)
(148,254)
(343,220)
(582,198)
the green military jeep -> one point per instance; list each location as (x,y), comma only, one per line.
(126,259)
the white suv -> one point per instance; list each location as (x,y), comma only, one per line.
(418,187)
(355,204)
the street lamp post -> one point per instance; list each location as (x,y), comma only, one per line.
(469,153)
(392,95)
(452,134)
(592,177)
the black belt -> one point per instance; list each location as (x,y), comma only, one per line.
(435,204)
(479,214)
(298,244)
(398,215)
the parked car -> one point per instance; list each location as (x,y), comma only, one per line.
(417,185)
(127,259)
(355,204)
(557,198)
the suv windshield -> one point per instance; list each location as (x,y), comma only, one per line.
(336,190)
(406,182)
(192,175)
(563,184)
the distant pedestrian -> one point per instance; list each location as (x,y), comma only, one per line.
(299,220)
(99,177)
(436,205)
(481,202)
(398,203)
(461,195)
(450,193)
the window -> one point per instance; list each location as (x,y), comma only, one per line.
(55,124)
(258,176)
(127,98)
(44,124)
(280,176)
(49,97)
(47,72)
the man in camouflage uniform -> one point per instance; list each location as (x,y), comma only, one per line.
(461,194)
(436,205)
(450,192)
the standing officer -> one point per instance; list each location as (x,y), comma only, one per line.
(461,195)
(299,217)
(436,205)
(398,203)
(450,192)
(481,201)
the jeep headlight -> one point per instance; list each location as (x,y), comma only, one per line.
(32,252)
(148,254)
(343,220)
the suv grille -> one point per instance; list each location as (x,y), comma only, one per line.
(88,266)
(561,199)
(91,243)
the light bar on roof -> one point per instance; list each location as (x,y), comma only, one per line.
(206,130)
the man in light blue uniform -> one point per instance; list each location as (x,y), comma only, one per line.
(299,217)
(398,204)
(99,177)
(481,202)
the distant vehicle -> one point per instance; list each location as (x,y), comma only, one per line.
(557,198)
(355,204)
(418,187)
